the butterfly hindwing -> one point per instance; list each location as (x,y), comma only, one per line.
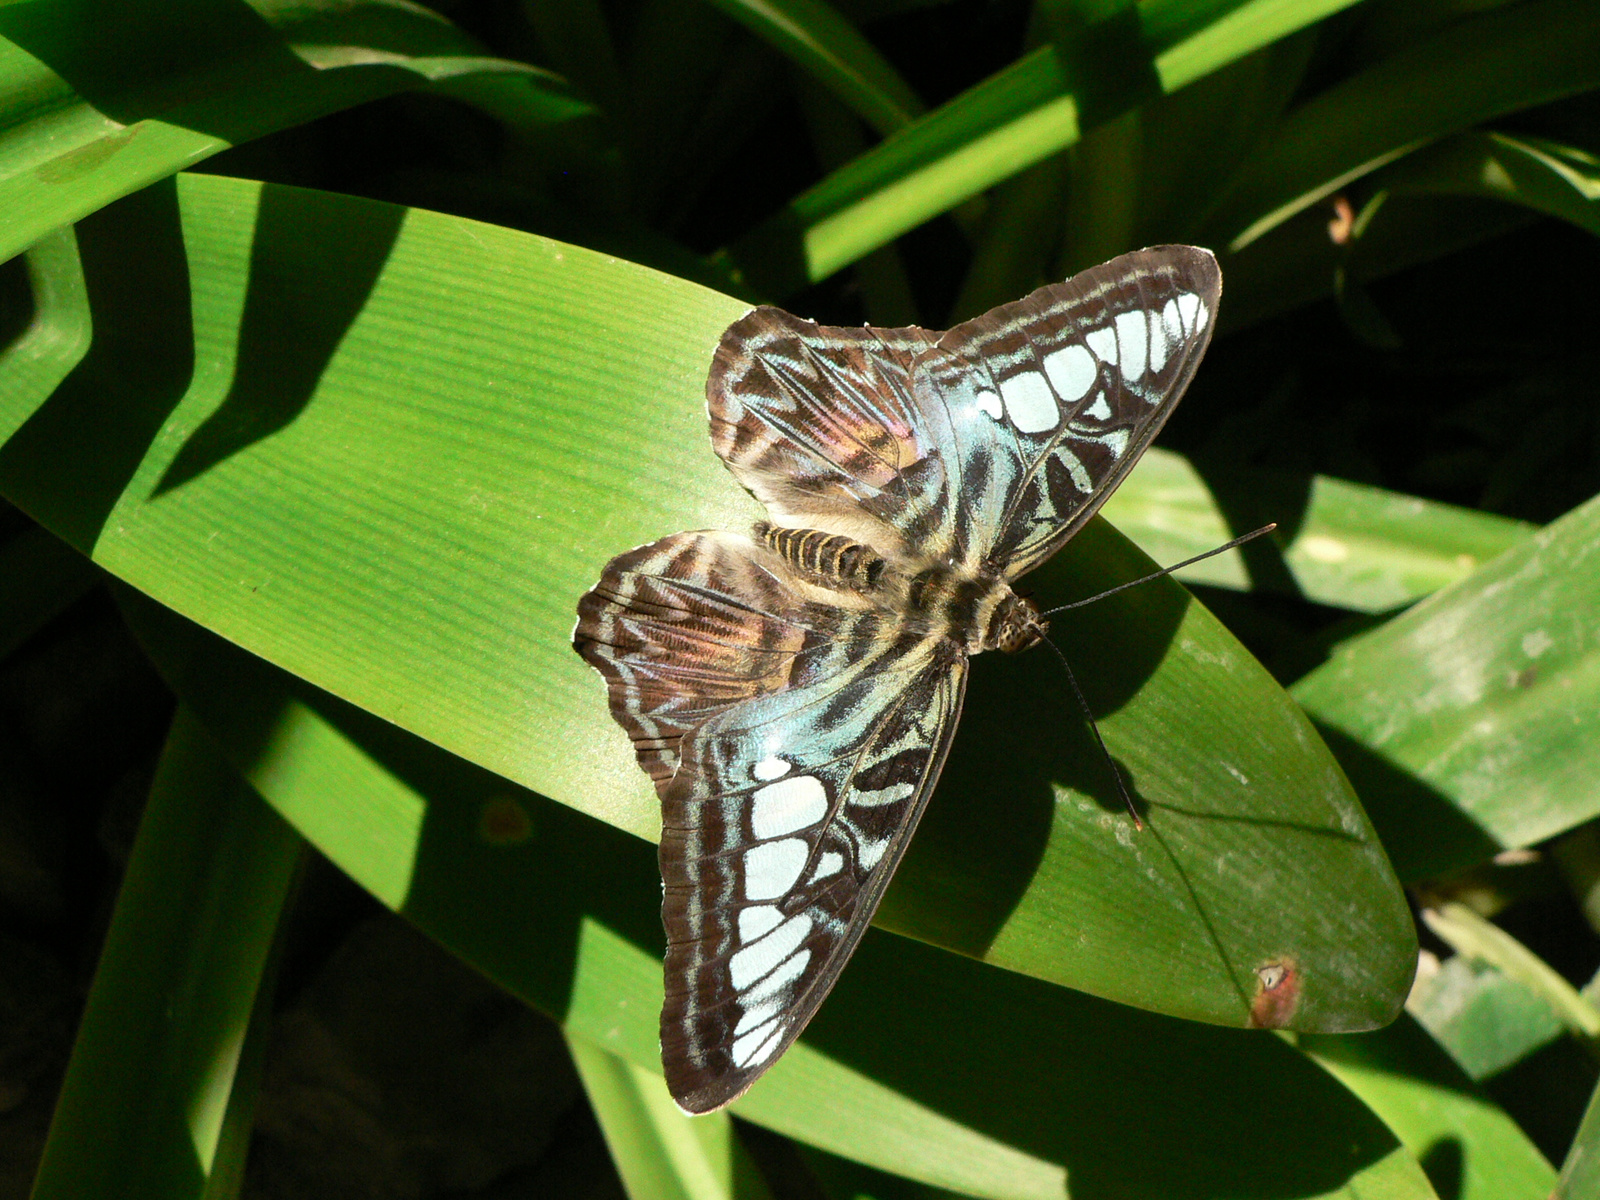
(794,743)
(780,832)
(687,627)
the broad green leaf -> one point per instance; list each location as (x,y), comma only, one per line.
(39,577)
(1481,67)
(1550,178)
(145,1107)
(660,1153)
(1010,121)
(1348,544)
(817,38)
(98,101)
(1467,723)
(1484,941)
(394,448)
(981,1081)
(1580,1173)
(1483,1017)
(1469,1147)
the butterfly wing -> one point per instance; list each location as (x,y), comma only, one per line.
(1053,398)
(989,445)
(823,426)
(794,744)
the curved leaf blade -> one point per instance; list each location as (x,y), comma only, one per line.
(1468,721)
(989,1083)
(819,39)
(404,507)
(147,1106)
(96,103)
(1510,58)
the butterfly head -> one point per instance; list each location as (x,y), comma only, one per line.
(1015,625)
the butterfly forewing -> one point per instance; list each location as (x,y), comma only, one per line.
(795,724)
(1054,397)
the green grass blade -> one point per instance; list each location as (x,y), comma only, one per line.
(1484,66)
(58,334)
(660,1153)
(143,1108)
(1348,544)
(1467,723)
(1547,177)
(991,1084)
(1471,935)
(1002,126)
(96,103)
(1580,1174)
(1469,1147)
(1485,1019)
(40,576)
(405,508)
(822,42)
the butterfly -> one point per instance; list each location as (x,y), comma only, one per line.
(793,691)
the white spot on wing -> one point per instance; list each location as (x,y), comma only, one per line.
(771,868)
(757,920)
(1536,643)
(831,863)
(771,767)
(990,403)
(1172,321)
(778,980)
(892,794)
(1103,342)
(1074,466)
(745,1048)
(788,805)
(1132,331)
(1158,342)
(756,959)
(764,1051)
(756,1015)
(1072,371)
(1029,404)
(872,850)
(1099,410)
(1188,306)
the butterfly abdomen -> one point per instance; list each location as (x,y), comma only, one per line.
(829,559)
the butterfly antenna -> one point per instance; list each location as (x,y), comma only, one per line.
(1188,562)
(1088,715)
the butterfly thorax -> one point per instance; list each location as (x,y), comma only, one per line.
(978,611)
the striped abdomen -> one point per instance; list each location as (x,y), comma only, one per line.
(829,559)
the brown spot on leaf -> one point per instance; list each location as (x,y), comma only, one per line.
(1277,994)
(504,822)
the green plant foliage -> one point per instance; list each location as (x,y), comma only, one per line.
(1467,718)
(403,597)
(1470,1149)
(1011,1105)
(353,420)
(149,1107)
(660,1153)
